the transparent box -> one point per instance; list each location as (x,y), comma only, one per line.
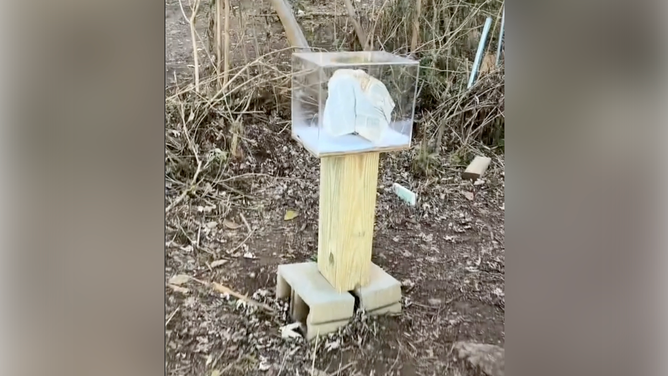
(353,102)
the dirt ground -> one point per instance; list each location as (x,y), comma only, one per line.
(448,251)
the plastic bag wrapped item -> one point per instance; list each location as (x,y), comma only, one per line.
(357,102)
(339,116)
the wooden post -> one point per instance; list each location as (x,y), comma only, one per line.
(347,213)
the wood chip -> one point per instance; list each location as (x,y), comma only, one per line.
(476,168)
(231,225)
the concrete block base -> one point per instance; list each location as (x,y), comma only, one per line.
(317,304)
(313,300)
(382,294)
(388,310)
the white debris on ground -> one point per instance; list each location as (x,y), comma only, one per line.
(288,331)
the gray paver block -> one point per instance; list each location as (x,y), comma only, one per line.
(310,292)
(382,291)
(315,330)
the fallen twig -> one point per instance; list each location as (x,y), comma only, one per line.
(171,316)
(226,290)
(242,243)
(245,222)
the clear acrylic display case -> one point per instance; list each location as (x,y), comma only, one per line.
(353,102)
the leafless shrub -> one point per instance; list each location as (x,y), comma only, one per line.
(205,121)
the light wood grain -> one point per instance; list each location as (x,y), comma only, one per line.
(477,168)
(347,212)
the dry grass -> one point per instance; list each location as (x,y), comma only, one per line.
(449,118)
(452,116)
(205,126)
(207,121)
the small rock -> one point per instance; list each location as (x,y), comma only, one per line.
(489,358)
(435,302)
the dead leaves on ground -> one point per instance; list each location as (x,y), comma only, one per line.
(179,279)
(226,290)
(288,331)
(176,281)
(231,225)
(218,263)
(179,289)
(290,215)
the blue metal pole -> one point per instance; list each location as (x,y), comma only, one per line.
(481,49)
(500,42)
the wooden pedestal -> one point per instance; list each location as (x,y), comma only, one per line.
(347,212)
